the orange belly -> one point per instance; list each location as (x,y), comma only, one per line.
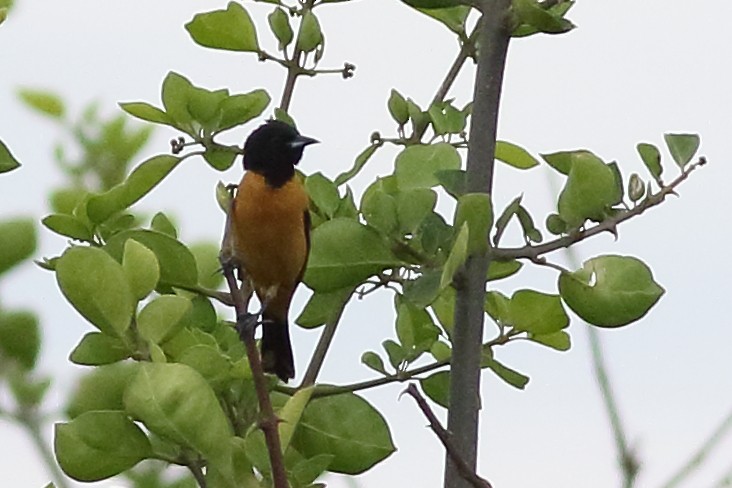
(270,238)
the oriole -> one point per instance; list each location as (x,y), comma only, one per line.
(270,229)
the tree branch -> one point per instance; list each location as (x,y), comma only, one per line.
(269,420)
(608,225)
(326,338)
(700,455)
(494,36)
(293,70)
(468,474)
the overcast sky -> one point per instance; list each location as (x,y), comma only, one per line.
(630,72)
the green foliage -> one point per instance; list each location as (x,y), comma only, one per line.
(610,291)
(7,160)
(170,380)
(46,103)
(98,445)
(17,242)
(347,427)
(231,29)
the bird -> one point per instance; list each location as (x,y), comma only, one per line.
(270,232)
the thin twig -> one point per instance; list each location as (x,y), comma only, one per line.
(466,51)
(629,463)
(701,454)
(195,469)
(294,69)
(29,420)
(608,225)
(465,471)
(269,420)
(326,338)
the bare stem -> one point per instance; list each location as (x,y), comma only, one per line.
(294,69)
(701,454)
(608,225)
(466,472)
(269,420)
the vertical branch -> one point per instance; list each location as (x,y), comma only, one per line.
(462,421)
(269,421)
(316,363)
(294,69)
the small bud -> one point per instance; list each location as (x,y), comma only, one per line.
(636,188)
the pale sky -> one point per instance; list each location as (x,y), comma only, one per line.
(630,72)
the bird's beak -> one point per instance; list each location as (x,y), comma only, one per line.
(302,141)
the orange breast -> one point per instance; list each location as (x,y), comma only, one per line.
(269,233)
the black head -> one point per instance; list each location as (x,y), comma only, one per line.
(273,150)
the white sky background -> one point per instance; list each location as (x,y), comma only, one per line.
(630,72)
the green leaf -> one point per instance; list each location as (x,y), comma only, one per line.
(176,91)
(323,193)
(497,270)
(510,376)
(396,354)
(531,233)
(291,414)
(537,313)
(514,155)
(498,306)
(208,264)
(610,291)
(440,351)
(163,224)
(162,318)
(99,445)
(231,29)
(219,158)
(27,391)
(590,190)
(475,210)
(505,217)
(413,206)
(452,17)
(174,401)
(532,13)
(69,226)
(308,470)
(398,107)
(347,427)
(240,109)
(416,165)
(17,242)
(279,22)
(358,164)
(323,308)
(562,160)
(555,225)
(344,253)
(44,102)
(177,264)
(96,348)
(101,389)
(457,257)
(310,35)
(143,179)
(380,210)
(96,285)
(422,291)
(7,160)
(210,363)
(20,338)
(141,268)
(651,157)
(147,112)
(373,361)
(454,181)
(437,387)
(556,340)
(415,329)
(682,147)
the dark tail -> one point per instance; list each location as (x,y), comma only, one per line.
(276,349)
